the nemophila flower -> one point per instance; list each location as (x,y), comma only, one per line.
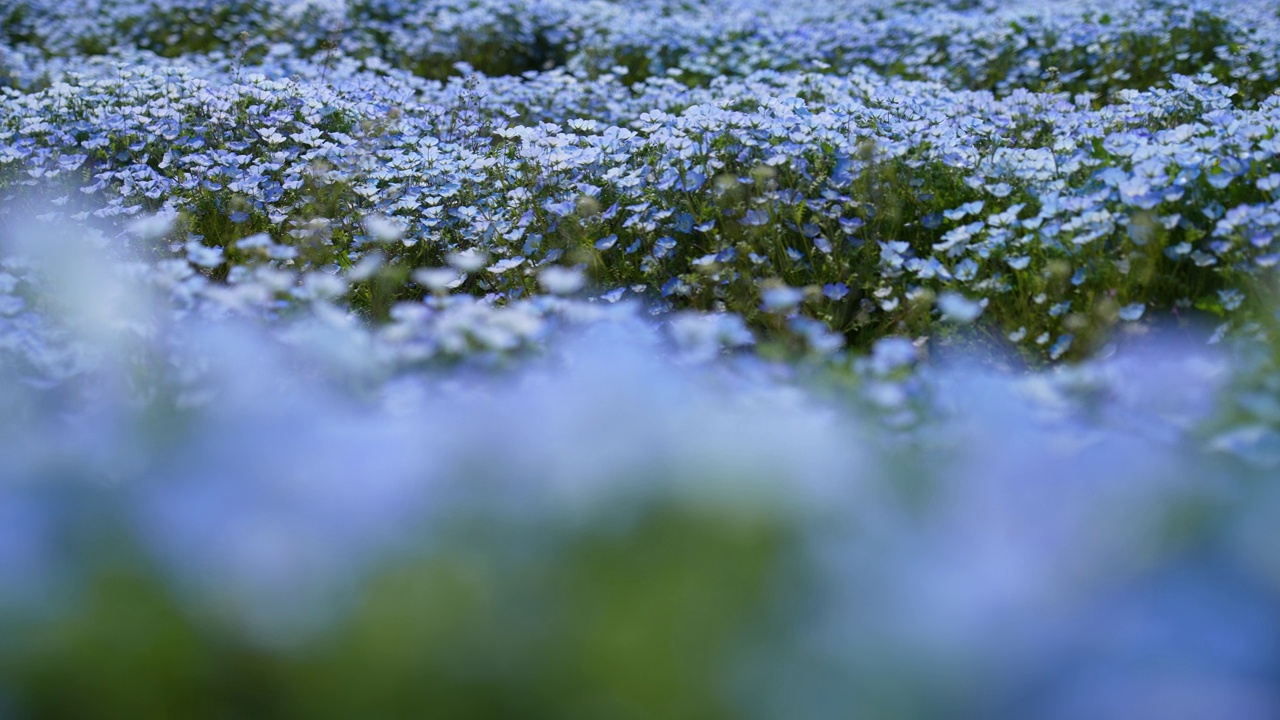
(468,260)
(153,227)
(957,308)
(964,211)
(367,266)
(780,298)
(851,225)
(438,279)
(257,241)
(891,354)
(561,208)
(675,286)
(1138,192)
(559,280)
(928,268)
(385,229)
(818,338)
(506,264)
(684,223)
(966,270)
(1061,346)
(1000,190)
(1226,170)
(835,291)
(202,255)
(954,241)
(894,253)
(704,336)
(1231,298)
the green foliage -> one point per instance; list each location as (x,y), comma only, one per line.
(492,622)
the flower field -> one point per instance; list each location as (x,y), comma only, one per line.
(639,359)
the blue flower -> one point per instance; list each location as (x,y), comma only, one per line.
(780,298)
(957,308)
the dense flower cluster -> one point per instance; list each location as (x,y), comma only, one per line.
(1088,46)
(856,196)
(692,359)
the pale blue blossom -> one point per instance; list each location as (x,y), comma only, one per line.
(780,298)
(957,308)
(559,280)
